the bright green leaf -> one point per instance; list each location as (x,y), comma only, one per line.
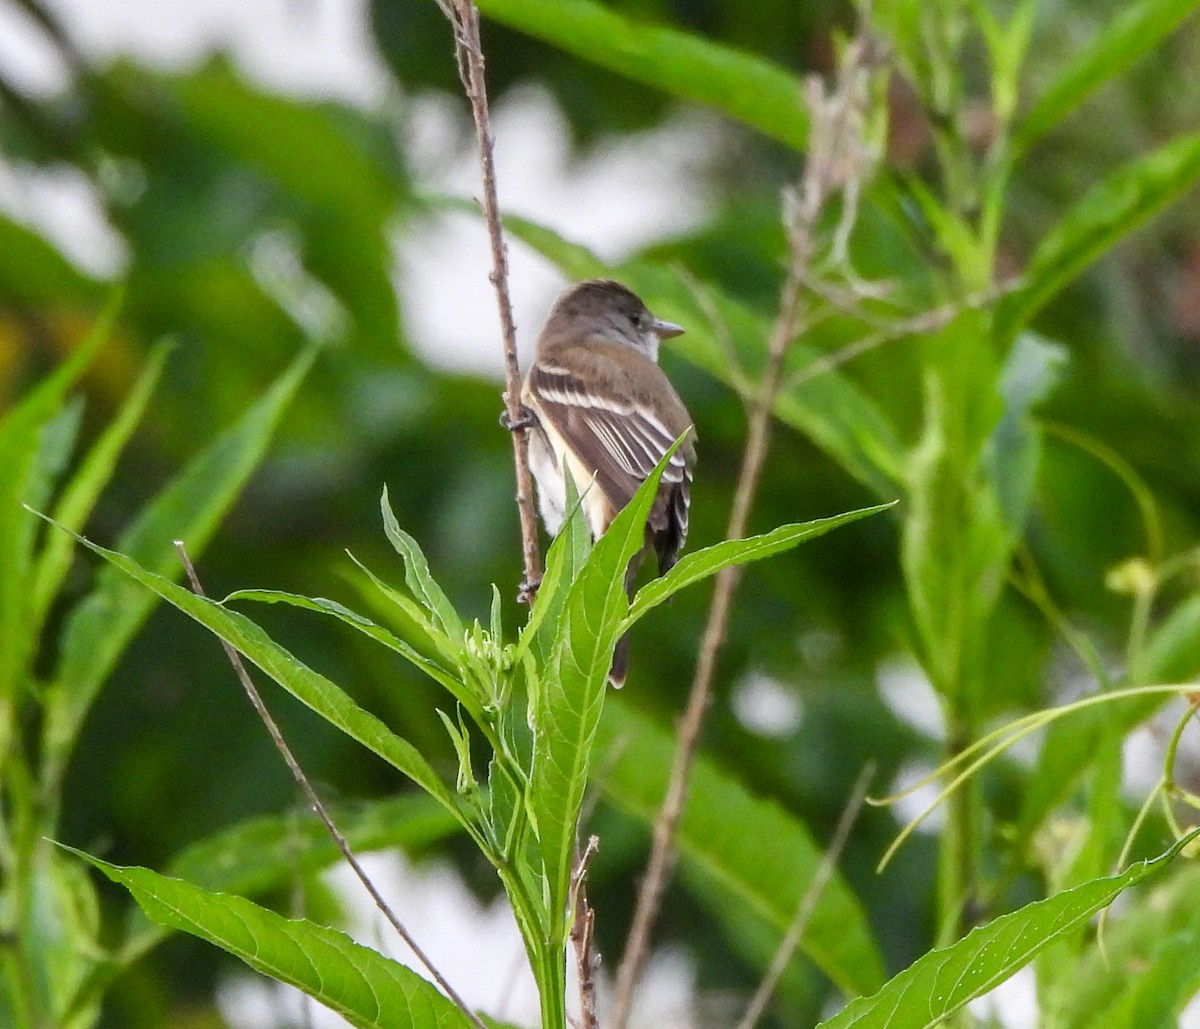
(22,480)
(311,688)
(573,690)
(700,564)
(943,981)
(84,489)
(417,575)
(457,689)
(267,853)
(367,989)
(746,847)
(747,88)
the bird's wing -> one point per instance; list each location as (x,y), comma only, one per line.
(617,439)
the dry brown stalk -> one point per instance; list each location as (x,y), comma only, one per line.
(838,162)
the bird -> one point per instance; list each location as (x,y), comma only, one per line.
(599,403)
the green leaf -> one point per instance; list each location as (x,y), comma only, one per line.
(80,495)
(943,981)
(1032,369)
(1172,652)
(417,575)
(266,854)
(189,508)
(955,545)
(454,686)
(1106,214)
(413,619)
(311,688)
(700,564)
(573,689)
(367,989)
(741,85)
(747,848)
(35,275)
(1133,32)
(564,561)
(23,480)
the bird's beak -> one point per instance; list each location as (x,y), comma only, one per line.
(667,330)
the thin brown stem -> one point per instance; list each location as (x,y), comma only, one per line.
(838,160)
(587,961)
(464,16)
(808,903)
(319,807)
(658,870)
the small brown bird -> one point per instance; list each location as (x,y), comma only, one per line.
(602,403)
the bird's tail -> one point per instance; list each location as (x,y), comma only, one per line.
(620,661)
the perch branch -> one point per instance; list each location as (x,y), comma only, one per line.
(464,17)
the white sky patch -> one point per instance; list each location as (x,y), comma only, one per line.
(318,49)
(1189,1018)
(30,62)
(909,695)
(60,204)
(908,808)
(766,706)
(620,198)
(1012,1004)
(475,945)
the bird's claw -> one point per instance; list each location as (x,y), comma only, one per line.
(524,420)
(527,591)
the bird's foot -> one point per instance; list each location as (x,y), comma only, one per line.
(525,420)
(527,591)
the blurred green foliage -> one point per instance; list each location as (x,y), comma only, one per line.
(254,223)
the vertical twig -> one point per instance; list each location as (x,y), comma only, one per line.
(587,961)
(464,17)
(319,807)
(808,903)
(838,159)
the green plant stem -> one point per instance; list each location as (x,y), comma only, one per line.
(957,864)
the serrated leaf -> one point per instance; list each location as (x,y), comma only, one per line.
(701,564)
(1153,944)
(1107,213)
(748,848)
(367,989)
(1135,30)
(943,981)
(745,87)
(267,853)
(564,560)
